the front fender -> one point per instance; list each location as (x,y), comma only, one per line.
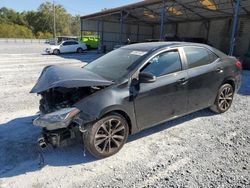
(113,98)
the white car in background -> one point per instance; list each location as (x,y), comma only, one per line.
(66,47)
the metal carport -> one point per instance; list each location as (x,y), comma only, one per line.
(219,22)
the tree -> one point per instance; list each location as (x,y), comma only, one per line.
(43,35)
(14,31)
(11,16)
(45,12)
(75,25)
(40,22)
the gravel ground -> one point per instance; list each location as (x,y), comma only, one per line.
(198,150)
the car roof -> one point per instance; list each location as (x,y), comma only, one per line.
(151,46)
(69,41)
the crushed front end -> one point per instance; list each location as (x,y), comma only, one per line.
(59,119)
(58,126)
(60,89)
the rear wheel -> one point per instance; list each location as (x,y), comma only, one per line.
(224,99)
(79,50)
(106,136)
(56,52)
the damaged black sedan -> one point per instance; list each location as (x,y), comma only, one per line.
(130,89)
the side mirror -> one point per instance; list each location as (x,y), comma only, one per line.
(146,77)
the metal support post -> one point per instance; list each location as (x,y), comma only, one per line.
(98,28)
(121,27)
(81,28)
(102,42)
(208,30)
(138,32)
(163,14)
(234,29)
(176,29)
(98,34)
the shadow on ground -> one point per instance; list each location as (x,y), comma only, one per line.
(169,124)
(20,153)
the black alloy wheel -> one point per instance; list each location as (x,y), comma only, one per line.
(107,136)
(224,99)
(56,52)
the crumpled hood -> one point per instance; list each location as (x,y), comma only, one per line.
(68,77)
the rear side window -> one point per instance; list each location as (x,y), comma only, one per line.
(164,63)
(74,43)
(197,56)
(212,56)
(66,43)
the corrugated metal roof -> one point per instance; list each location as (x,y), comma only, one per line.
(176,10)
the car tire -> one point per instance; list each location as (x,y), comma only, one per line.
(106,136)
(88,47)
(56,52)
(224,99)
(79,50)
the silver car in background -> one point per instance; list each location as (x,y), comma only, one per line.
(68,46)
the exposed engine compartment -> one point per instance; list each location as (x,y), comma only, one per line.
(60,88)
(57,98)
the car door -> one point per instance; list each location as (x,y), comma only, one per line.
(166,97)
(74,46)
(204,75)
(65,47)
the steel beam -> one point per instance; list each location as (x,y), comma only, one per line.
(121,26)
(81,27)
(234,29)
(190,9)
(163,14)
(98,33)
(159,15)
(243,8)
(176,29)
(123,15)
(138,32)
(207,25)
(102,24)
(98,28)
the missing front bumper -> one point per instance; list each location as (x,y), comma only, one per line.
(55,138)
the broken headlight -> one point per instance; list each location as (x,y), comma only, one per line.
(56,120)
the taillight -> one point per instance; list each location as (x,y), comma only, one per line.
(238,64)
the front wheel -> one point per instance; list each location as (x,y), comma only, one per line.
(56,52)
(106,136)
(224,99)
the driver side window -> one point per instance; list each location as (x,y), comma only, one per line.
(66,43)
(164,63)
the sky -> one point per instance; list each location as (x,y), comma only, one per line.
(81,7)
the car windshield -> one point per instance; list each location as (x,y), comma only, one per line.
(59,43)
(115,64)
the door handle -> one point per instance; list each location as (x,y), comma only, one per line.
(183,81)
(219,70)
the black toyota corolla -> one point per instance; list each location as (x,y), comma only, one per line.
(130,89)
